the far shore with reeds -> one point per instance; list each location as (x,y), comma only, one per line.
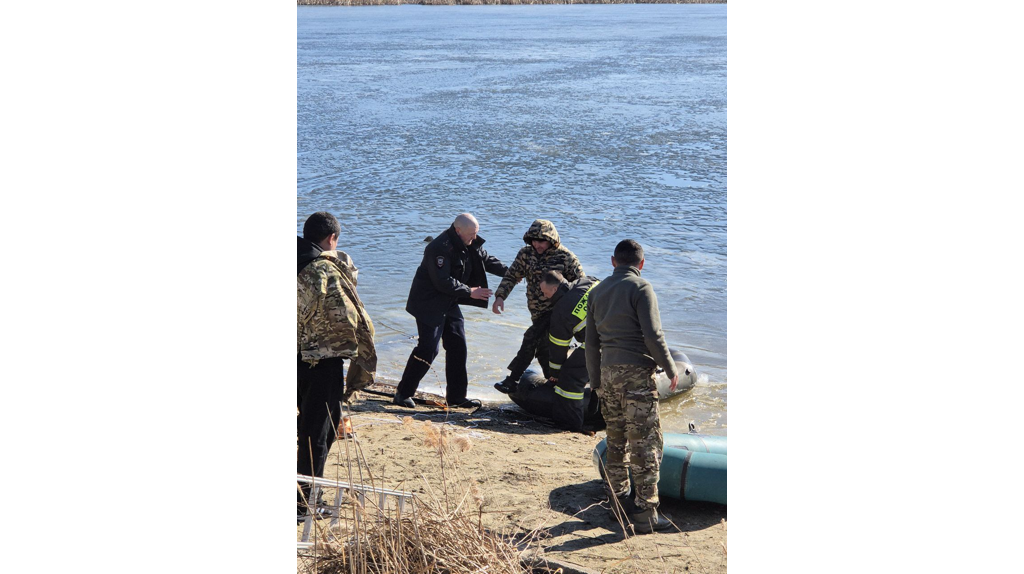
(492,2)
(496,491)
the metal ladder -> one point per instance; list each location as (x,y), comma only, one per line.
(360,491)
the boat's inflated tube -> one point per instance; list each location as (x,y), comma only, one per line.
(536,397)
(687,376)
(694,467)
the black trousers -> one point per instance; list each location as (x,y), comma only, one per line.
(535,344)
(319,391)
(452,334)
(568,409)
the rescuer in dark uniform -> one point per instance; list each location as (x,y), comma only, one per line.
(453,272)
(568,321)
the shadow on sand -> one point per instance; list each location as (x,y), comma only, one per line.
(586,505)
(503,418)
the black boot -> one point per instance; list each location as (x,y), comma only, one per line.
(401,401)
(508,386)
(621,504)
(625,502)
(415,369)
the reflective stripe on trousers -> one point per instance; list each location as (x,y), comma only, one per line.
(569,395)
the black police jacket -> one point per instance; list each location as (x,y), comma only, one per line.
(444,277)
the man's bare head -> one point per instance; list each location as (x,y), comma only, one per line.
(466,227)
(549,283)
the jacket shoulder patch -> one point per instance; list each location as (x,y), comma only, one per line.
(440,260)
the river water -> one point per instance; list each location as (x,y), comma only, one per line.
(609,120)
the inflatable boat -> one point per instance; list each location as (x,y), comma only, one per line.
(693,467)
(536,397)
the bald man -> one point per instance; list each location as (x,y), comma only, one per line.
(453,273)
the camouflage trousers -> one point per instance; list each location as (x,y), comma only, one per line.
(629,404)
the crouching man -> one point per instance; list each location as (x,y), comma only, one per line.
(568,322)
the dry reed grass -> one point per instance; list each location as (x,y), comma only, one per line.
(441,532)
(439,437)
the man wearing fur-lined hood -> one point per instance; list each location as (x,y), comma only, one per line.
(543,252)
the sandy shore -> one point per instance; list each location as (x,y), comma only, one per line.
(531,476)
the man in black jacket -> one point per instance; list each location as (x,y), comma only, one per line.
(568,321)
(451,264)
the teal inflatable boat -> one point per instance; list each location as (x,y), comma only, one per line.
(693,467)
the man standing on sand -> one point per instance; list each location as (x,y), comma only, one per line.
(451,264)
(332,327)
(625,345)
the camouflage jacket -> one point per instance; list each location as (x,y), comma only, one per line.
(332,321)
(531,266)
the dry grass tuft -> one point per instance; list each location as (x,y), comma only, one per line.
(432,539)
(725,549)
(462,443)
(442,439)
(440,532)
(478,497)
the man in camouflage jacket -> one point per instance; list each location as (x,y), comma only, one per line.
(543,252)
(332,326)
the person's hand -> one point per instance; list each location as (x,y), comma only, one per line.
(498,306)
(553,380)
(675,381)
(480,293)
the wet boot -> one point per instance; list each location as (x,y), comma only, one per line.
(649,521)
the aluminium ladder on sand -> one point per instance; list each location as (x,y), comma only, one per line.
(360,491)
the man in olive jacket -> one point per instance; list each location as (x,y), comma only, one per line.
(625,345)
(453,272)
